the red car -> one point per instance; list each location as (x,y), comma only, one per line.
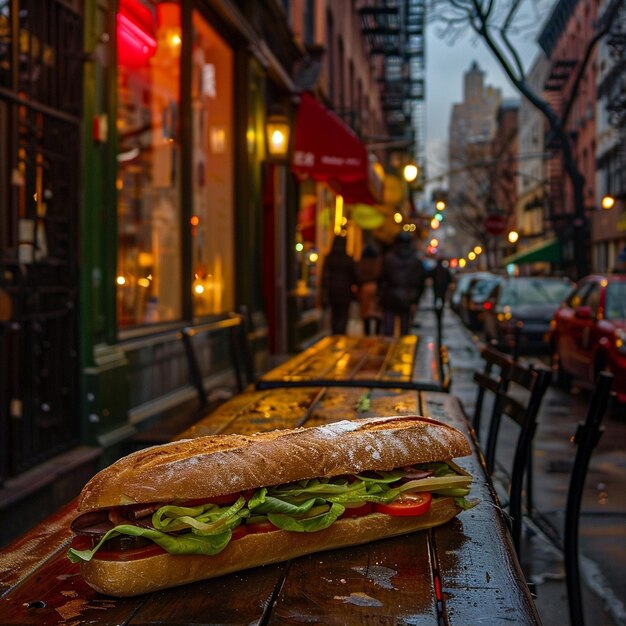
(589,333)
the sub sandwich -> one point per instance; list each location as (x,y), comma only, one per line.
(200,508)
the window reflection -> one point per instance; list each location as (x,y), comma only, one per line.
(148,178)
(212,131)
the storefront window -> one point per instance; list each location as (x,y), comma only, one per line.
(212,219)
(148,176)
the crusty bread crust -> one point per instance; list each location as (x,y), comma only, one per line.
(223,464)
(130,578)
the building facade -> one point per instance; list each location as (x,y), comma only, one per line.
(609,226)
(564,39)
(139,197)
(532,183)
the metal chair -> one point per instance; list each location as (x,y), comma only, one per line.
(518,391)
(586,437)
(488,380)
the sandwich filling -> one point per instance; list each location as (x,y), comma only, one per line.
(208,526)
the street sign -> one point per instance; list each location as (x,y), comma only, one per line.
(495,224)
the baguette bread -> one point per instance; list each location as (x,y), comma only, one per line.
(222,464)
(226,464)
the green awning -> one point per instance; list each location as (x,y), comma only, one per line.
(548,251)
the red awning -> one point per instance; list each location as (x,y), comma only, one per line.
(326,149)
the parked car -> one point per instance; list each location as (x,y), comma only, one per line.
(461,283)
(472,308)
(518,312)
(589,333)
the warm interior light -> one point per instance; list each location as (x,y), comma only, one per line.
(338,214)
(513,236)
(397,217)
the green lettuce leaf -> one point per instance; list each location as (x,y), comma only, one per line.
(277,505)
(187,543)
(208,519)
(307,524)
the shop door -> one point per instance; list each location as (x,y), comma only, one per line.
(40,116)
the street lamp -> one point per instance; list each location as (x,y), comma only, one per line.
(277,135)
(410,172)
(607,202)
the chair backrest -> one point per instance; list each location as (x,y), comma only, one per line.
(518,391)
(586,438)
(524,413)
(489,379)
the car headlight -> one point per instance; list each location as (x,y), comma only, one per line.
(620,340)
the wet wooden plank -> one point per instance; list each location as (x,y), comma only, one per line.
(241,598)
(481,579)
(26,553)
(386,582)
(254,411)
(55,593)
(398,365)
(340,403)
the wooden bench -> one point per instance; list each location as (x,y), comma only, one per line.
(207,399)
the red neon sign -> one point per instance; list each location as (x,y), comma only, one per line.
(136,34)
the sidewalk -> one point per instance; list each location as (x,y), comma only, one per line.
(603,517)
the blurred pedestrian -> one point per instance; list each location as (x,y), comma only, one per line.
(367,273)
(338,285)
(401,284)
(441,279)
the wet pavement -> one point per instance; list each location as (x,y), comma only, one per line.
(602,531)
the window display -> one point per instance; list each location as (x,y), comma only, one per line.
(149,286)
(212,219)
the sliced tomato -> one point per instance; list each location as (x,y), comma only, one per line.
(239,532)
(81,542)
(408,505)
(358,511)
(261,527)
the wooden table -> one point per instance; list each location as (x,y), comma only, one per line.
(402,362)
(462,573)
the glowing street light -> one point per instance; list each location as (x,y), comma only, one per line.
(440,205)
(513,236)
(410,172)
(607,202)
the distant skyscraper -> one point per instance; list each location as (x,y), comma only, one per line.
(472,128)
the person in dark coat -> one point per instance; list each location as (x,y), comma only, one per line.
(367,272)
(338,285)
(441,278)
(401,284)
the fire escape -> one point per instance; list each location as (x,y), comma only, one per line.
(395,34)
(613,88)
